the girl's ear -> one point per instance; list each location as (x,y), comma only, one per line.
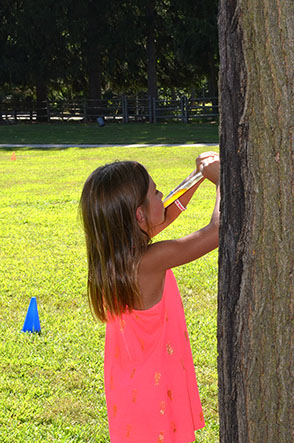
(142,220)
(140,215)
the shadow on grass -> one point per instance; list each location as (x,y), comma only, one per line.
(111,134)
(62,148)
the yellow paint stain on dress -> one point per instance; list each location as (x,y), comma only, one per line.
(111,382)
(142,344)
(183,364)
(162,407)
(134,395)
(133,373)
(169,349)
(157,377)
(122,324)
(129,429)
(161,437)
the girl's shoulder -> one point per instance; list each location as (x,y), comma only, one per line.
(159,256)
(154,258)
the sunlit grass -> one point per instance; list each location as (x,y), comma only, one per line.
(51,385)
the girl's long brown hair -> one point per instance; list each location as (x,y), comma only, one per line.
(115,243)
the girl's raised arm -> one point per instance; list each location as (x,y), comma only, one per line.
(172,212)
(168,254)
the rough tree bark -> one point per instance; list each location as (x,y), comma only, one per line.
(256,261)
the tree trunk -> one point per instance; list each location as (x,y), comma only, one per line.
(213,82)
(42,111)
(256,261)
(93,60)
(151,50)
(94,85)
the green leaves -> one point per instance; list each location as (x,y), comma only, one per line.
(66,44)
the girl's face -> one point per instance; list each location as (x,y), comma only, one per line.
(155,212)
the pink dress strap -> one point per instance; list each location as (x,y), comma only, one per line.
(150,383)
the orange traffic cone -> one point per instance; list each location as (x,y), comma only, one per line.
(13,156)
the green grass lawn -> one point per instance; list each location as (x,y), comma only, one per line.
(120,133)
(51,385)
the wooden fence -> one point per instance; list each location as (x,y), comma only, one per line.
(125,109)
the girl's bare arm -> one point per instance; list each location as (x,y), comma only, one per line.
(168,254)
(171,253)
(172,212)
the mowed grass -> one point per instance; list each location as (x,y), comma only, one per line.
(120,133)
(51,385)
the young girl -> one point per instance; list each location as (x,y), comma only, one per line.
(150,384)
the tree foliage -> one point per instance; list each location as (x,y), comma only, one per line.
(92,47)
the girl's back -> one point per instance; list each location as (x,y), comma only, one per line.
(150,383)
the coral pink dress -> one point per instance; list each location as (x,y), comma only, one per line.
(150,384)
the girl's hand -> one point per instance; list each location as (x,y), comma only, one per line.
(208,164)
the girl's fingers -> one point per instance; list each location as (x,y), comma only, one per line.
(206,155)
(210,168)
(204,163)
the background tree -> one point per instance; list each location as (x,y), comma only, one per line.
(93,48)
(151,48)
(195,39)
(125,68)
(36,46)
(256,265)
(89,24)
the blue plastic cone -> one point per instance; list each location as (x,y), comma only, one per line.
(32,322)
